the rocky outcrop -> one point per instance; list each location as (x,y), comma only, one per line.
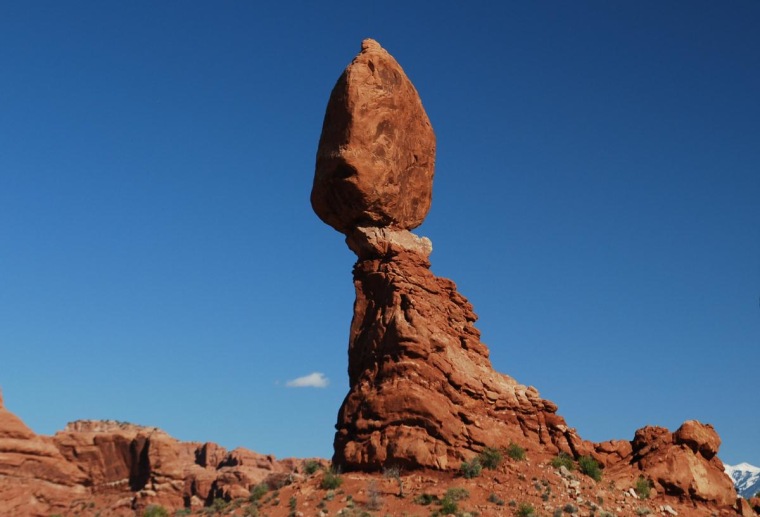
(117,468)
(35,478)
(422,389)
(684,463)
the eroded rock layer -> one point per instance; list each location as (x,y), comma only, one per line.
(422,389)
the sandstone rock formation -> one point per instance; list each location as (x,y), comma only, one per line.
(422,392)
(684,463)
(120,468)
(376,153)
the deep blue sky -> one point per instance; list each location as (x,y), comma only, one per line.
(597,198)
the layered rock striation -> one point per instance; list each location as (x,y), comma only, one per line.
(422,391)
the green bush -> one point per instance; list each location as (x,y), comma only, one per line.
(155,510)
(425,499)
(589,466)
(495,499)
(258,492)
(563,459)
(526,510)
(642,487)
(490,458)
(570,508)
(310,467)
(448,506)
(331,480)
(515,452)
(456,494)
(471,469)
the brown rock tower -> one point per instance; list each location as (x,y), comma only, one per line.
(422,389)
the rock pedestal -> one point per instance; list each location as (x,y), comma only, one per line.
(422,389)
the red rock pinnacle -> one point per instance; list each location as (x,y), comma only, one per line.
(422,390)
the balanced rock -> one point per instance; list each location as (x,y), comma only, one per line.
(377,149)
(422,389)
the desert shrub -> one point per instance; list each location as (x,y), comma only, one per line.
(563,459)
(495,499)
(456,494)
(391,472)
(570,508)
(258,492)
(448,506)
(642,487)
(471,469)
(374,499)
(515,452)
(155,510)
(526,510)
(643,511)
(311,466)
(490,458)
(425,499)
(182,512)
(589,466)
(331,480)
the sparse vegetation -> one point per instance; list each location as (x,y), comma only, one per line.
(516,452)
(490,458)
(456,494)
(570,508)
(495,499)
(155,510)
(374,500)
(310,467)
(563,459)
(218,505)
(589,466)
(425,499)
(395,473)
(526,510)
(331,480)
(258,492)
(642,487)
(643,511)
(471,469)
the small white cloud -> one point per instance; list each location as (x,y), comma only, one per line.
(313,380)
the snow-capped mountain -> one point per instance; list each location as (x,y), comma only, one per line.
(746,478)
